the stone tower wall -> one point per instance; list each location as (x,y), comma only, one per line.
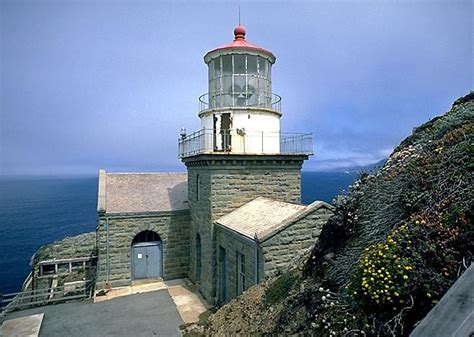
(226,183)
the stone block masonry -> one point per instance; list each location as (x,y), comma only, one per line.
(234,244)
(218,184)
(281,248)
(173,229)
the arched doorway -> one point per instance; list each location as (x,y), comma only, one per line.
(198,257)
(147,261)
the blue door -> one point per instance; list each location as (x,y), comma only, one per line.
(146,260)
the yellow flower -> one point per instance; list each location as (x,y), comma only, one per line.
(405,277)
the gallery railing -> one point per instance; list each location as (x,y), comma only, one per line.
(240,141)
(239,99)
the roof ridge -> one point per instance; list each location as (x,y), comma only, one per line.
(139,173)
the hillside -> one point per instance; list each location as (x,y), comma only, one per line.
(396,243)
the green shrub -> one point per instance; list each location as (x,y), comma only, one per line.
(280,288)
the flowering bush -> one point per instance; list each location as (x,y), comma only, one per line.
(383,277)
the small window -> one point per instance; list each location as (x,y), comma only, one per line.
(47,269)
(146,236)
(198,187)
(240,272)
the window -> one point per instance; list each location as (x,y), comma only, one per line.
(198,187)
(240,273)
(47,269)
(146,236)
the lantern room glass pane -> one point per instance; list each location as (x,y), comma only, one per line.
(239,91)
(251,64)
(217,66)
(227,64)
(262,66)
(239,64)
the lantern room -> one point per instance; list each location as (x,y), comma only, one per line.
(239,74)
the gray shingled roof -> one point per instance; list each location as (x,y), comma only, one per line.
(142,192)
(263,216)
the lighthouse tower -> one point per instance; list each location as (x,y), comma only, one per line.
(240,152)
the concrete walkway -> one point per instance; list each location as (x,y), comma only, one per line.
(147,314)
(189,302)
(27,326)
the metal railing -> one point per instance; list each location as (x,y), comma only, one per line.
(44,296)
(240,141)
(238,100)
(65,266)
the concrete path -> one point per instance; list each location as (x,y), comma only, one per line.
(147,314)
(28,326)
(189,302)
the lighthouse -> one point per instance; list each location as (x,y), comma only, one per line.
(239,153)
(236,216)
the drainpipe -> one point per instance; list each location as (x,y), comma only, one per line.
(107,268)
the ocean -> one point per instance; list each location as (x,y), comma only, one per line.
(40,210)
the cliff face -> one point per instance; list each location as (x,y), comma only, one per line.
(397,241)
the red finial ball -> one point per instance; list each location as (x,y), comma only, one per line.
(239,32)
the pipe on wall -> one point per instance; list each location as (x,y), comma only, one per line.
(256,259)
(107,266)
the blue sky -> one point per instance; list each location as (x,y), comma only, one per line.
(108,84)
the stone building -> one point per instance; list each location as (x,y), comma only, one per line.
(260,238)
(241,194)
(143,227)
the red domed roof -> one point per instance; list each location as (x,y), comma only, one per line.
(240,42)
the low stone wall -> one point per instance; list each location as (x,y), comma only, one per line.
(173,229)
